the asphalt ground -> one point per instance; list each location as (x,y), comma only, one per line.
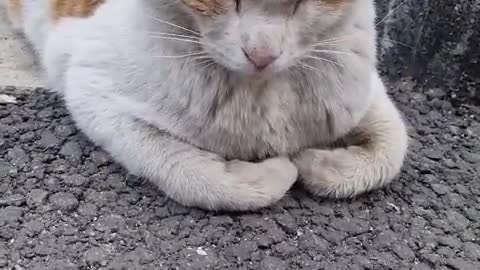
(65,205)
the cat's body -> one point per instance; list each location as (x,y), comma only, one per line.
(185,124)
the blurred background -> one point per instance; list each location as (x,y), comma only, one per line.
(435,42)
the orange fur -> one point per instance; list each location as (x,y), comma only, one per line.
(335,5)
(14,11)
(209,7)
(73,8)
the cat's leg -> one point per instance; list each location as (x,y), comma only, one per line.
(375,155)
(185,173)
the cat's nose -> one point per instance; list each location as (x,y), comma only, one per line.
(260,58)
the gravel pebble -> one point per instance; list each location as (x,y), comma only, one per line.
(48,140)
(461,264)
(472,250)
(88,210)
(76,180)
(287,222)
(10,214)
(5,169)
(273,263)
(64,201)
(16,200)
(244,250)
(96,256)
(37,197)
(440,189)
(457,220)
(100,158)
(110,223)
(71,150)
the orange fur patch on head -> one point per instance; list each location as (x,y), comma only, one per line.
(209,7)
(336,4)
(73,8)
(14,11)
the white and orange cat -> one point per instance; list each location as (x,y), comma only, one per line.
(224,104)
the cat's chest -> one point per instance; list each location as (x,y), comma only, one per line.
(277,121)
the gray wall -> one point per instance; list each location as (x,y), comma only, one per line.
(440,44)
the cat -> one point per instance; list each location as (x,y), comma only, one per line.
(225,104)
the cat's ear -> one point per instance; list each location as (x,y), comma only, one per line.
(210,7)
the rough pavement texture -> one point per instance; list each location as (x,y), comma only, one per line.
(436,41)
(65,205)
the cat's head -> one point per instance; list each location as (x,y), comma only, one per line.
(262,36)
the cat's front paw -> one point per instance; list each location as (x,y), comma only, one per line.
(335,173)
(268,181)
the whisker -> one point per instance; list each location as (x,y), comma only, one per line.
(179,56)
(333,41)
(173,35)
(314,69)
(391,12)
(180,39)
(174,25)
(396,42)
(325,60)
(332,52)
(337,39)
(212,63)
(205,64)
(205,61)
(199,58)
(219,68)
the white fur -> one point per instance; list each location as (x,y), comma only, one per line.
(154,115)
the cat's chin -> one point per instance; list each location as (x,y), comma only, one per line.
(255,74)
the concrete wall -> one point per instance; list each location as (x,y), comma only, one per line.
(436,41)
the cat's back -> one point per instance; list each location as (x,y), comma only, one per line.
(93,32)
(39,20)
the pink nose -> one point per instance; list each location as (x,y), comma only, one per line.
(260,58)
